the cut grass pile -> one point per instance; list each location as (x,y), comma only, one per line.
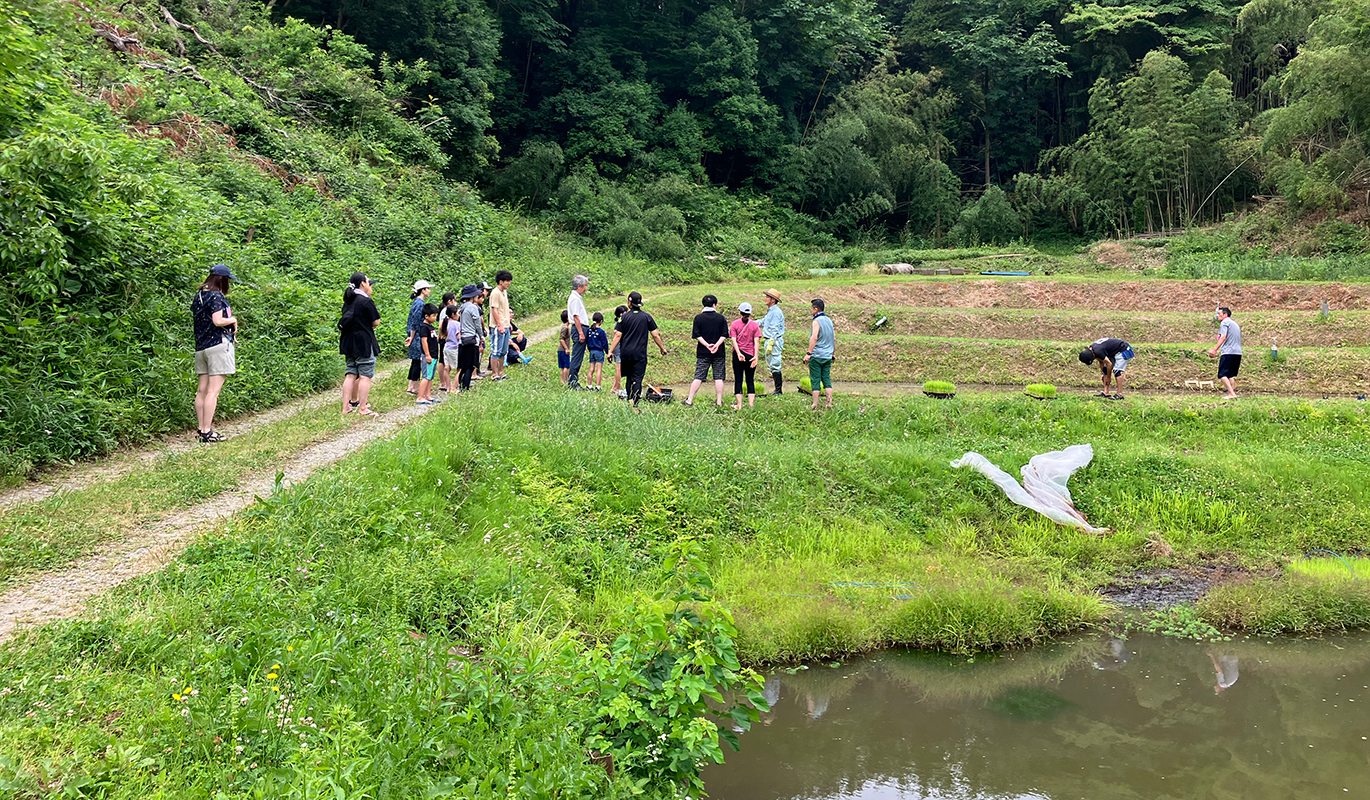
(423,598)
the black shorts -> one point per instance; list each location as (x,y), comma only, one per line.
(1229,366)
(468,356)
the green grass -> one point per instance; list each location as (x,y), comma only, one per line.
(939,387)
(424,597)
(1043,390)
(1324,567)
(68,525)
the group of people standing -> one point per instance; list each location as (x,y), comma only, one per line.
(446,343)
(752,341)
(1113,355)
(450,340)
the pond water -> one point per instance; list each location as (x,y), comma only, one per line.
(1099,718)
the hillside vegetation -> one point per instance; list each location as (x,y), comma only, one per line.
(136,152)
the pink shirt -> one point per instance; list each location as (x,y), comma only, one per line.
(745,335)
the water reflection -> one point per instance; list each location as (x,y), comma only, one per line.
(1147,717)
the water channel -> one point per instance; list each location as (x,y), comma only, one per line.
(1098,718)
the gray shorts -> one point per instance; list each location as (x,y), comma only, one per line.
(216,360)
(449,354)
(718,361)
(361,367)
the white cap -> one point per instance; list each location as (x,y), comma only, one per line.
(421,285)
(745,308)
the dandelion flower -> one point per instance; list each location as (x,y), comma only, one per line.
(275,688)
(271,676)
(176,697)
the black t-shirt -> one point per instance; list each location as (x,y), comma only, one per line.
(357,328)
(712,326)
(636,327)
(1108,348)
(430,333)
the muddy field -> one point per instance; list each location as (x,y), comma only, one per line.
(1107,295)
(1290,328)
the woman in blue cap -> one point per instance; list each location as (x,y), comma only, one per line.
(215,331)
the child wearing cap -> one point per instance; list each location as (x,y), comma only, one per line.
(469,336)
(597,342)
(564,348)
(744,333)
(428,342)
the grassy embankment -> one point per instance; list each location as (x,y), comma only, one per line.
(417,597)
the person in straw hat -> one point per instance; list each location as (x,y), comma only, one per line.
(773,336)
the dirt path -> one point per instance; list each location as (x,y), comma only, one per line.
(83,475)
(63,593)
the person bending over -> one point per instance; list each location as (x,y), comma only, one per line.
(1112,356)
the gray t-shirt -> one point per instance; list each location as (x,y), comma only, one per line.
(1232,345)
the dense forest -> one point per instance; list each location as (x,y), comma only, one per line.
(891,117)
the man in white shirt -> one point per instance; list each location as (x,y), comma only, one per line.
(579,321)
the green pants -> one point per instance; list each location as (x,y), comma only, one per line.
(820,373)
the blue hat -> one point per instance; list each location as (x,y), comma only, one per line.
(222,271)
(469,291)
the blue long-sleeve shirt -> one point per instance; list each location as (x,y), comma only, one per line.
(773,324)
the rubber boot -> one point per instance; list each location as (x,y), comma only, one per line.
(779,382)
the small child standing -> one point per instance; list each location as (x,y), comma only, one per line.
(449,336)
(618,361)
(564,348)
(447,309)
(597,342)
(428,338)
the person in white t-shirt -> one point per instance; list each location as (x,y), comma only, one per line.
(579,321)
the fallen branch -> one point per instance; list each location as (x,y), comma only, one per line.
(272,99)
(188,71)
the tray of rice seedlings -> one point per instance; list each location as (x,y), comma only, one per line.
(942,390)
(1040,391)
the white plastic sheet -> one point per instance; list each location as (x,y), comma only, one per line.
(1044,482)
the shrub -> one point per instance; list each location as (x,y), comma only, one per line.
(989,220)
